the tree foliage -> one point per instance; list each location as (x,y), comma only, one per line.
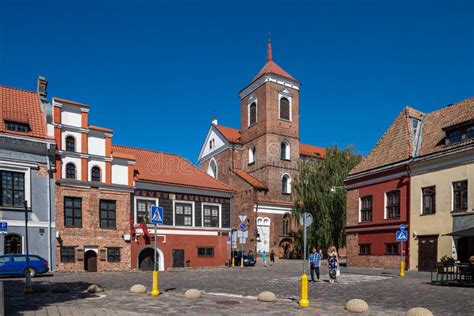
(319,190)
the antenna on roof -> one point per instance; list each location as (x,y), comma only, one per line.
(269,48)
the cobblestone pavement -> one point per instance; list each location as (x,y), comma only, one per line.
(232,292)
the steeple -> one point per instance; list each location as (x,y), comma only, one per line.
(271,67)
(269,48)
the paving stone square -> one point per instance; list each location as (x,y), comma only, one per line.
(228,291)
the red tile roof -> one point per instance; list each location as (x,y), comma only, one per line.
(159,167)
(272,68)
(272,202)
(397,143)
(256,183)
(312,151)
(231,134)
(22,106)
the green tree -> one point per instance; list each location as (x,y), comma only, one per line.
(319,190)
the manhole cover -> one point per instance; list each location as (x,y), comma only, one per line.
(228,302)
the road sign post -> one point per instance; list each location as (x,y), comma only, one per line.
(242,228)
(402,236)
(156,218)
(306,219)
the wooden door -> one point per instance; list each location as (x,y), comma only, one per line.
(427,252)
(90,261)
(178,258)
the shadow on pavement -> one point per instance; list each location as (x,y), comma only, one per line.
(45,293)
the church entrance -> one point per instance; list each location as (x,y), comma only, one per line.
(263,228)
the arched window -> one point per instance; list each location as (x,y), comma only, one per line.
(285,151)
(285,109)
(70,171)
(251,155)
(95,174)
(212,168)
(252,113)
(70,143)
(286,184)
(12,244)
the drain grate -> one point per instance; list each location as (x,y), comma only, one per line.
(228,302)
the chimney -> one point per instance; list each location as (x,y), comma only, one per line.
(41,86)
(214,122)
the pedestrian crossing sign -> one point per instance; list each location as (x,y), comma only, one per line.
(156,215)
(402,235)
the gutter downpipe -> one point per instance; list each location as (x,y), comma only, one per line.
(50,255)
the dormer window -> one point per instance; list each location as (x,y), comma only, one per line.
(459,134)
(17,127)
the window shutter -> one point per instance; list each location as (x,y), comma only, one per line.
(80,255)
(103,254)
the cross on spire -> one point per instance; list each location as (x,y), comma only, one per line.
(269,48)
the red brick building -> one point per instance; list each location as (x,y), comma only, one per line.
(378,196)
(260,159)
(93,192)
(196,212)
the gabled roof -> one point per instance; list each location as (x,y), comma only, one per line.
(22,106)
(60,100)
(159,167)
(397,143)
(231,134)
(433,135)
(312,151)
(254,182)
(271,67)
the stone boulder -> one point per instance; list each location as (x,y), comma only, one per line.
(192,294)
(266,296)
(94,288)
(138,288)
(357,306)
(419,311)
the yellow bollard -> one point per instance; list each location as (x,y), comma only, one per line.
(304,302)
(28,286)
(402,268)
(233,262)
(155,291)
(242,261)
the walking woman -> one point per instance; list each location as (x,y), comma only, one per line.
(332,264)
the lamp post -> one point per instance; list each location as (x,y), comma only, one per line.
(304,301)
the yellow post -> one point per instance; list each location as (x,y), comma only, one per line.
(155,291)
(242,261)
(402,268)
(28,286)
(304,301)
(233,262)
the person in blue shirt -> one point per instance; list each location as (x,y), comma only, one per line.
(314,262)
(264,258)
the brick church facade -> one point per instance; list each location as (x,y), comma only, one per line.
(260,160)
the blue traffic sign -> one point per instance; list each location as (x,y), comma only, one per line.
(3,227)
(242,227)
(402,227)
(156,215)
(402,235)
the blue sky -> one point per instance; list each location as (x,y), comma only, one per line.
(156,72)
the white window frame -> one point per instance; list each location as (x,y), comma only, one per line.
(385,204)
(20,168)
(287,149)
(288,96)
(251,153)
(209,168)
(192,212)
(202,213)
(288,183)
(360,209)
(250,102)
(135,210)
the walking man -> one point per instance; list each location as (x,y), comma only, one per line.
(314,261)
(272,257)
